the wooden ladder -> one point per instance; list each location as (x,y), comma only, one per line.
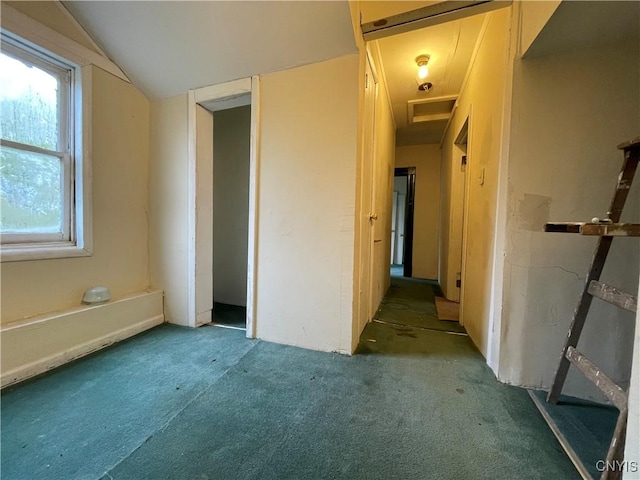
(606,229)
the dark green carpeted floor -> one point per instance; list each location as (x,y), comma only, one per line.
(229,315)
(586,426)
(176,403)
(411,302)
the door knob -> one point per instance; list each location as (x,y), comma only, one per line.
(373,216)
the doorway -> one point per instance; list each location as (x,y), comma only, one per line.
(203,104)
(231,154)
(404,189)
(460,151)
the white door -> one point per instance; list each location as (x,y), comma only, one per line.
(366,203)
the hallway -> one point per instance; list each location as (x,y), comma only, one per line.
(416,402)
(411,302)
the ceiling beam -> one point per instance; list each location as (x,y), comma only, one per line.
(442,12)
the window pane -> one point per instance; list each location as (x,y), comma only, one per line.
(31,198)
(28,103)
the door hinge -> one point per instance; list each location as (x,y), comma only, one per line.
(459,280)
(463,163)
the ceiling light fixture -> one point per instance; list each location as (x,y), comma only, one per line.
(422,61)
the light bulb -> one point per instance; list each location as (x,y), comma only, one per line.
(423,71)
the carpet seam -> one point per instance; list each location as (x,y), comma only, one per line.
(166,424)
(384,322)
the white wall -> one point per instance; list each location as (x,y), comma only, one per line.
(43,322)
(452,197)
(384,140)
(120,148)
(168,206)
(40,343)
(203,204)
(231,204)
(375,153)
(307,205)
(632,446)
(426,223)
(482,99)
(571,109)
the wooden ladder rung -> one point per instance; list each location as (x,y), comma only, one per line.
(563,227)
(613,296)
(595,229)
(611,229)
(611,389)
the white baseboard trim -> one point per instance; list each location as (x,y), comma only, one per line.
(33,346)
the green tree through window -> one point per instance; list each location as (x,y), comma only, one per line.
(35,145)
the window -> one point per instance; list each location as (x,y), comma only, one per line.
(41,171)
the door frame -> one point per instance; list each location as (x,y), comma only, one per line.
(365,203)
(410,200)
(200,198)
(464,138)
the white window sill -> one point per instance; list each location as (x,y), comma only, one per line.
(20,253)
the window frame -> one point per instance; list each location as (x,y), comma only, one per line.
(73,145)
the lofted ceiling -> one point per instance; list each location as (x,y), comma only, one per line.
(169,47)
(421,117)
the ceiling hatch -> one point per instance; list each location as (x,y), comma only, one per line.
(430,109)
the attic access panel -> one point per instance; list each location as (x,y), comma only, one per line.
(430,109)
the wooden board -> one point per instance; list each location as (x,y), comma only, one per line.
(595,229)
(447,310)
(613,296)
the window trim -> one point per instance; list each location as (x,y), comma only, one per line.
(78,242)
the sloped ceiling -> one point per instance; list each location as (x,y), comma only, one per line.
(50,14)
(167,48)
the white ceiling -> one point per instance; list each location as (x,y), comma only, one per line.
(581,24)
(169,47)
(450,46)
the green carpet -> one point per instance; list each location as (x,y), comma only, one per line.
(410,302)
(178,403)
(80,420)
(229,315)
(586,426)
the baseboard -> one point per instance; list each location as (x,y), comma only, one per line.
(33,346)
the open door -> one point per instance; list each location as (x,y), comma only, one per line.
(404,219)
